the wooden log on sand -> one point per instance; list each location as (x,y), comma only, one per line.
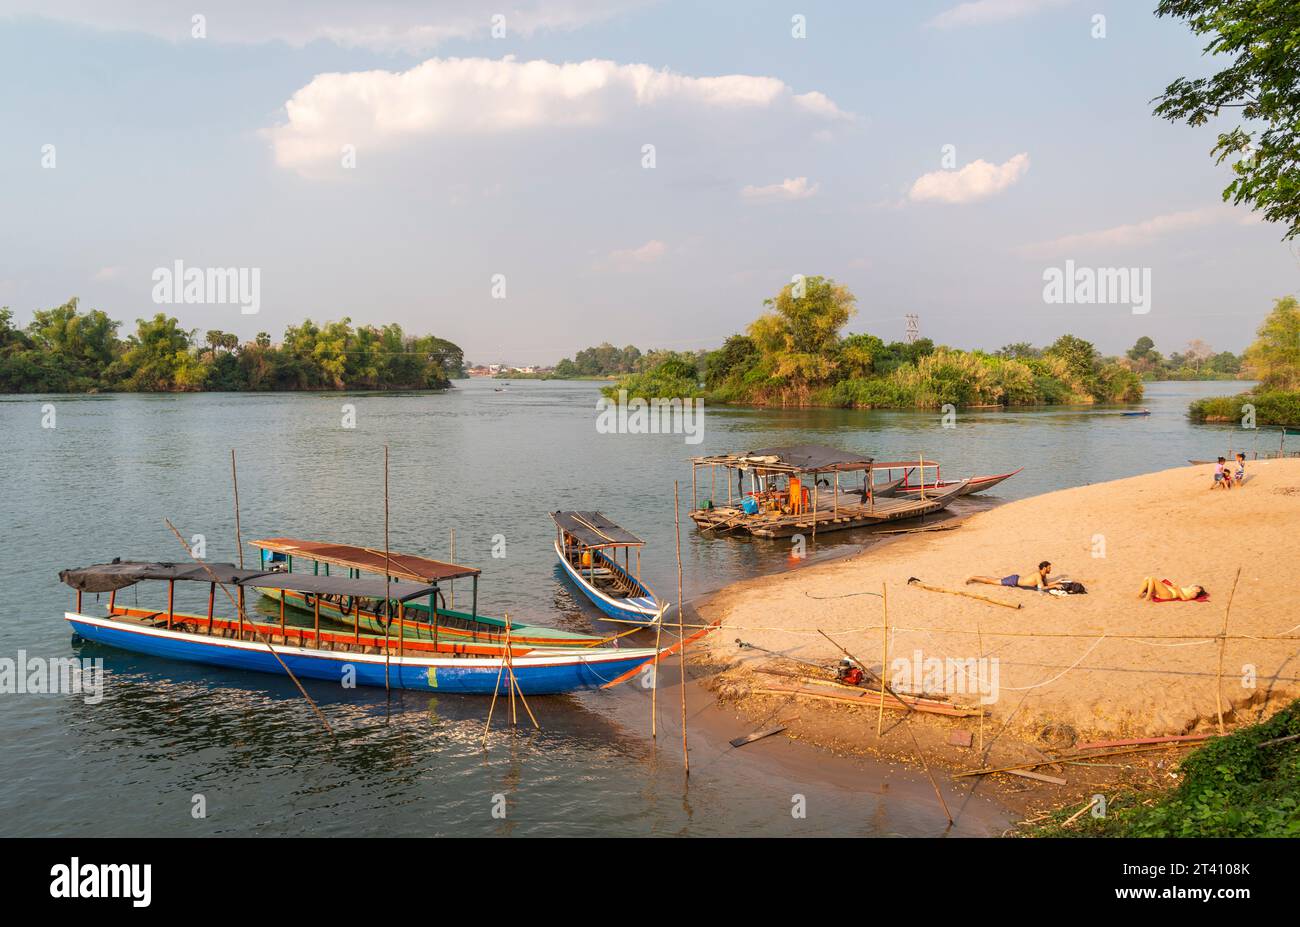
(913,581)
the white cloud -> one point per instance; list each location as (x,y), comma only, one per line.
(649,253)
(378,110)
(980,12)
(976,181)
(1140,233)
(108,273)
(380,25)
(792,188)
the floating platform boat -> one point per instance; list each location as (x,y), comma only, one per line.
(315,653)
(587,544)
(912,469)
(429,619)
(780,502)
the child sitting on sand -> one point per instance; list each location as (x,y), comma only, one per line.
(1037,580)
(1162,590)
(1221,475)
(1240,475)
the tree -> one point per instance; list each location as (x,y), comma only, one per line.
(1197,351)
(737,355)
(1275,355)
(1079,355)
(797,338)
(1262,85)
(159,359)
(1141,348)
(1020,350)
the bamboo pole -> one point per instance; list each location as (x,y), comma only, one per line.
(452,583)
(835,504)
(492,707)
(388,602)
(884,656)
(654,688)
(239,539)
(814,511)
(1223,645)
(979,639)
(681,628)
(922,471)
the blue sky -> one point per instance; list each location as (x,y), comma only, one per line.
(809,158)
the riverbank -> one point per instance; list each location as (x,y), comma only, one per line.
(1058,670)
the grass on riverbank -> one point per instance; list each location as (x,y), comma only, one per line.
(1272,407)
(1231,787)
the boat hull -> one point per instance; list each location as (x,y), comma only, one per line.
(973,485)
(547,673)
(489,630)
(620,610)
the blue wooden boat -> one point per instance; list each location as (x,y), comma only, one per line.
(310,652)
(1143,412)
(587,544)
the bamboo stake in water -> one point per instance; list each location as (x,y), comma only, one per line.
(453,560)
(654,681)
(388,602)
(884,657)
(681,628)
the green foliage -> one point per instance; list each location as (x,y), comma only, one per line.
(794,355)
(1231,787)
(604,360)
(1275,407)
(64,350)
(736,357)
(1275,355)
(1259,40)
(1274,358)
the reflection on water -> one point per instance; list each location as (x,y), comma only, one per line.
(486,464)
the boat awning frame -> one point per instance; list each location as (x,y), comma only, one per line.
(109,577)
(403,566)
(594,530)
(799,458)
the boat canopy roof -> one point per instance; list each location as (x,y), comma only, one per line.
(404,566)
(592,529)
(106,577)
(795,458)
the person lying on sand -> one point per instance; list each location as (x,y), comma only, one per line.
(1038,580)
(1162,590)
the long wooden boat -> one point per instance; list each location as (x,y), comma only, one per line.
(910,485)
(780,502)
(430,618)
(313,653)
(587,544)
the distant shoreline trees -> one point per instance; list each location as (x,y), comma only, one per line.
(794,355)
(67,350)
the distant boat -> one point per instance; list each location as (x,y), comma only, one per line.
(1143,412)
(972,484)
(582,540)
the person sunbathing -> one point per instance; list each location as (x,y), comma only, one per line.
(1162,590)
(1037,580)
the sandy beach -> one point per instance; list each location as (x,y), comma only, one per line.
(1100,665)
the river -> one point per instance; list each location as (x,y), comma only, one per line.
(170,738)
